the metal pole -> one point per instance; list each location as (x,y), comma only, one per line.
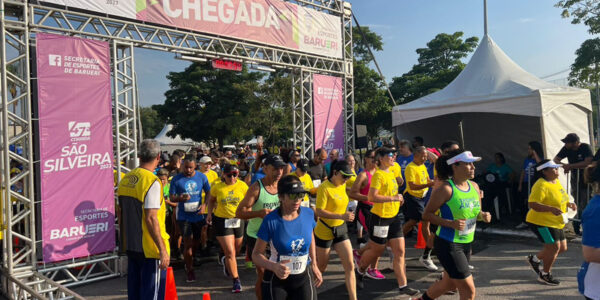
(462,134)
(485,23)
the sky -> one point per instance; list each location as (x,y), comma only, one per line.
(531,32)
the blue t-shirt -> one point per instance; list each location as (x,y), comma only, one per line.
(429,165)
(529,168)
(293,167)
(192,186)
(403,161)
(257,175)
(289,238)
(590,220)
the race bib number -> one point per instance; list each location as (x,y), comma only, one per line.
(565,218)
(232,223)
(297,264)
(469,227)
(381,231)
(191,206)
(316,183)
(305,203)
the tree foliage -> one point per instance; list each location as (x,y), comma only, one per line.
(582,11)
(586,68)
(152,122)
(437,66)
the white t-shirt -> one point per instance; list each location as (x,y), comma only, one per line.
(152,200)
(592,278)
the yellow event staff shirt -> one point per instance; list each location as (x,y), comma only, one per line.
(396,169)
(306,183)
(386,184)
(228,197)
(417,175)
(551,194)
(332,199)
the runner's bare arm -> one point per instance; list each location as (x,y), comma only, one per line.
(439,196)
(244,210)
(483,215)
(154,229)
(358,185)
(313,263)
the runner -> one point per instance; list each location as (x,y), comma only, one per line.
(360,192)
(302,174)
(260,200)
(459,202)
(386,224)
(186,189)
(212,176)
(224,199)
(403,159)
(589,273)
(331,229)
(417,186)
(294,157)
(289,231)
(548,204)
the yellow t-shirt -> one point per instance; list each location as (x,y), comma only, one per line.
(386,184)
(350,182)
(306,183)
(332,199)
(417,175)
(213,178)
(551,194)
(228,197)
(396,169)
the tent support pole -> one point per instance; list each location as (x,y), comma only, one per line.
(462,134)
(591,129)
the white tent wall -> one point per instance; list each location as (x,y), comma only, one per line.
(484,134)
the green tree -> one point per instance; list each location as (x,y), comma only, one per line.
(437,66)
(206,104)
(582,11)
(585,71)
(152,122)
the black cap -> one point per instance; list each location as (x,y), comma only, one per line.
(274,160)
(294,187)
(228,169)
(343,167)
(303,165)
(571,138)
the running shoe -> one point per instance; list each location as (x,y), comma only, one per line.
(408,291)
(374,274)
(249,265)
(225,272)
(548,279)
(237,286)
(191,277)
(428,263)
(359,279)
(523,225)
(534,265)
(471,267)
(356,258)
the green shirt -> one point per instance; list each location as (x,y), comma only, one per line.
(462,205)
(265,200)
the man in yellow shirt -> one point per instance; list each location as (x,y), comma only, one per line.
(417,185)
(302,173)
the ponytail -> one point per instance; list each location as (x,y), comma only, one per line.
(444,170)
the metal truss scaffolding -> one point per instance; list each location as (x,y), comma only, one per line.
(24,276)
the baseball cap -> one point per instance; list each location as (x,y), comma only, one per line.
(291,188)
(228,169)
(274,160)
(548,164)
(466,156)
(343,167)
(571,138)
(205,159)
(303,165)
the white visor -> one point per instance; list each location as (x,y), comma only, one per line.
(466,156)
(549,164)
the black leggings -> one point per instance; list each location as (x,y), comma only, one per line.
(295,287)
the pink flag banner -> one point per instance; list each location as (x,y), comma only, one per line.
(328,102)
(76,147)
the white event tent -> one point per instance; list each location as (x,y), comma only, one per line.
(170,144)
(496,106)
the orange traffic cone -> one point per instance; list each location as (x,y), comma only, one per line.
(206,296)
(421,243)
(170,289)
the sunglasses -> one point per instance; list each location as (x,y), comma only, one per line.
(391,154)
(346,177)
(296,197)
(232,174)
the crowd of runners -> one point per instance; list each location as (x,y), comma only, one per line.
(287,212)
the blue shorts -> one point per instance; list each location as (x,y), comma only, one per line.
(144,279)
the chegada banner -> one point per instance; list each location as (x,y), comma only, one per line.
(328,108)
(76,147)
(270,22)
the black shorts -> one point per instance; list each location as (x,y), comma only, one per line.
(394,229)
(220,230)
(363,214)
(295,287)
(414,207)
(191,229)
(547,235)
(340,234)
(454,257)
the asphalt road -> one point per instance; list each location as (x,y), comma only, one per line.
(501,272)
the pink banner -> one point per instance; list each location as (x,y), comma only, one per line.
(271,22)
(76,146)
(328,102)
